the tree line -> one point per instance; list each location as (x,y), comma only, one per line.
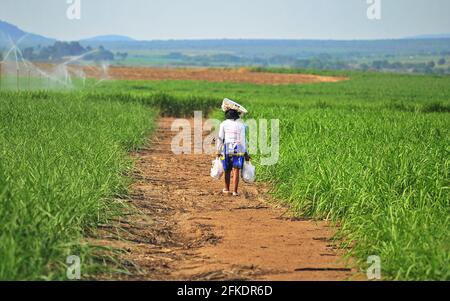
(60,50)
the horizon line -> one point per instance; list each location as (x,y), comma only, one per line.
(132,39)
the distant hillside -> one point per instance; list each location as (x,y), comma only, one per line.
(432,36)
(10,31)
(108,38)
(298,48)
(420,54)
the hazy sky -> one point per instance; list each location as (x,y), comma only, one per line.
(196,19)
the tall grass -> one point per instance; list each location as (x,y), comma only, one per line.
(62,161)
(382,175)
(371,153)
(167,104)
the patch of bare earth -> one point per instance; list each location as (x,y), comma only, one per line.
(185,229)
(242,75)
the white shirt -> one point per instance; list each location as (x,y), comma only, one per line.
(232,134)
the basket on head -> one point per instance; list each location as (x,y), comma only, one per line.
(228,104)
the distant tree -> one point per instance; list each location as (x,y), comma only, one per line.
(107,55)
(428,69)
(283,60)
(396,66)
(325,56)
(76,49)
(380,64)
(316,64)
(225,58)
(28,53)
(175,56)
(442,61)
(364,67)
(431,64)
(302,63)
(440,71)
(122,55)
(100,55)
(60,50)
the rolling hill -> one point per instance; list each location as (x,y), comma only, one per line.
(11,32)
(108,38)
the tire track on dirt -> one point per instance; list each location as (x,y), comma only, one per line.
(185,229)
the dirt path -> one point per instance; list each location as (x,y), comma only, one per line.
(187,230)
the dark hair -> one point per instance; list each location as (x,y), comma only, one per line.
(232,114)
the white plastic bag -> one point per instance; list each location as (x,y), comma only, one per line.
(248,172)
(216,169)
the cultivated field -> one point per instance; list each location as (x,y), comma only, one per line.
(242,75)
(369,153)
(62,162)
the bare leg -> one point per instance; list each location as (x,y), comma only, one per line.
(236,179)
(227,180)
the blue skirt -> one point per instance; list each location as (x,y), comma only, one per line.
(232,159)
